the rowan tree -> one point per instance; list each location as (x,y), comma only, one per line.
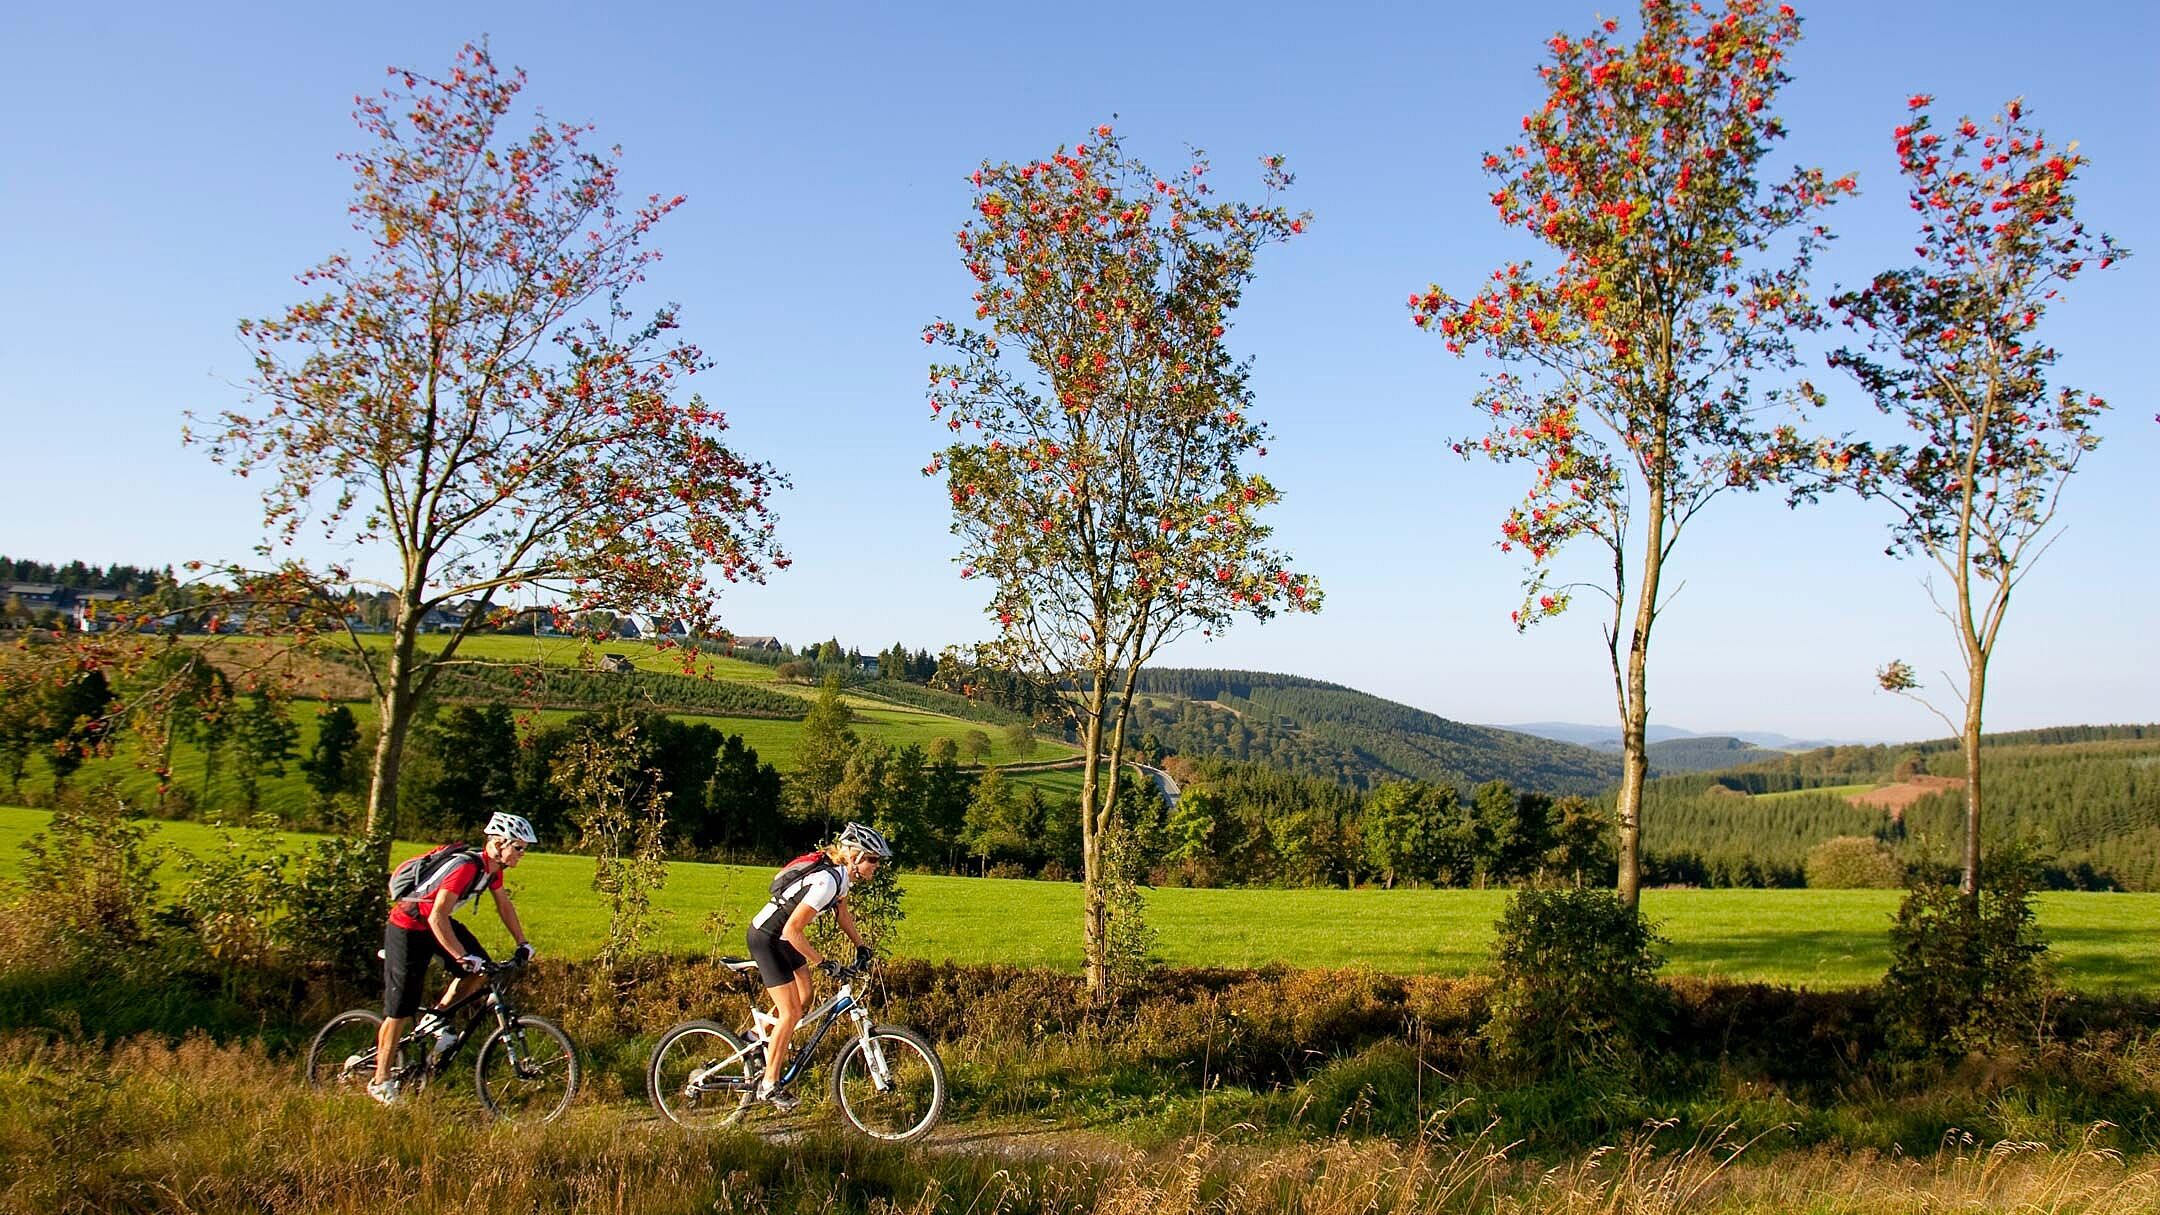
(1680,281)
(1951,350)
(1099,477)
(472,392)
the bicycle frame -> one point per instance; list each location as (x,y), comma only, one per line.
(823,1017)
(490,994)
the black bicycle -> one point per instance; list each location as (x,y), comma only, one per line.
(887,1081)
(527,1070)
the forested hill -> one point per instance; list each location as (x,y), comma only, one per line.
(1337,733)
(1706,754)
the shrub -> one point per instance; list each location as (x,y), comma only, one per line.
(1575,985)
(1968,973)
(1006,869)
(1056,871)
(337,899)
(1853,862)
(94,871)
(233,902)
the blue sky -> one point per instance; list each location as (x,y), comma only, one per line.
(169,168)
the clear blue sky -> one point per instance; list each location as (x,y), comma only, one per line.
(168,168)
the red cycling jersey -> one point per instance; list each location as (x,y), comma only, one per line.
(464,881)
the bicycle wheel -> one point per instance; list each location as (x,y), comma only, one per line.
(528,1072)
(702,1075)
(343,1053)
(891,1085)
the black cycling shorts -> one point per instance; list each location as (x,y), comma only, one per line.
(406,954)
(777,961)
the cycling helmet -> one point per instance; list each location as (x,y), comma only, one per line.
(511,827)
(867,839)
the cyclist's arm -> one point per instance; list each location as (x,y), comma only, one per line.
(508,911)
(797,932)
(438,921)
(846,920)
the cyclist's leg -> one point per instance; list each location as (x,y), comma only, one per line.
(789,999)
(463,984)
(405,963)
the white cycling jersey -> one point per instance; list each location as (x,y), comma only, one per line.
(820,888)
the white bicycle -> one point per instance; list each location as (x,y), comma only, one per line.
(887,1080)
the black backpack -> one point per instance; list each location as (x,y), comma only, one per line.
(415,880)
(799,868)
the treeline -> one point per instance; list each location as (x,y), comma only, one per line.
(1894,761)
(466,762)
(2093,805)
(1335,733)
(1247,825)
(2087,798)
(131,580)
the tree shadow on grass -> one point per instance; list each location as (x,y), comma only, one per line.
(1799,958)
(106,1005)
(2086,958)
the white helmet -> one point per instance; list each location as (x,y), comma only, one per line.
(511,827)
(867,839)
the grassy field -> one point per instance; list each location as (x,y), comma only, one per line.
(572,652)
(1817,938)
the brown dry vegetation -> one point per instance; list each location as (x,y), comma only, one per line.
(198,1127)
(1900,796)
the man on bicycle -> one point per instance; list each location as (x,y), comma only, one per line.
(422,929)
(780,942)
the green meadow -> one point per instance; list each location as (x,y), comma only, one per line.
(1814,938)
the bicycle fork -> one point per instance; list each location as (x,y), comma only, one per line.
(873,1051)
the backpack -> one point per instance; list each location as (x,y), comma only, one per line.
(798,869)
(417,878)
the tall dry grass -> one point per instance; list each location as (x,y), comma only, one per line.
(147,1125)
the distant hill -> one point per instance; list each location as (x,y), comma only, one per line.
(1336,733)
(1675,755)
(1606,736)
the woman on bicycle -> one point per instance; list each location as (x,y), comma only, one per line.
(779,938)
(421,929)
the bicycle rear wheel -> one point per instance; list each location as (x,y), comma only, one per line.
(890,1085)
(342,1057)
(702,1075)
(527,1073)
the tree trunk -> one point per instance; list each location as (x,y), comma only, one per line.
(1095,912)
(396,710)
(1635,706)
(1975,688)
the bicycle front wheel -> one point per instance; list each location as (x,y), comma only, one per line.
(702,1075)
(528,1072)
(889,1084)
(342,1057)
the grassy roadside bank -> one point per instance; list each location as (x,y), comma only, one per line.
(208,1129)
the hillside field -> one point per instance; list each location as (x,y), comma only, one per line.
(1816,938)
(773,739)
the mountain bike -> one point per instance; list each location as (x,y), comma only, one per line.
(527,1069)
(887,1080)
